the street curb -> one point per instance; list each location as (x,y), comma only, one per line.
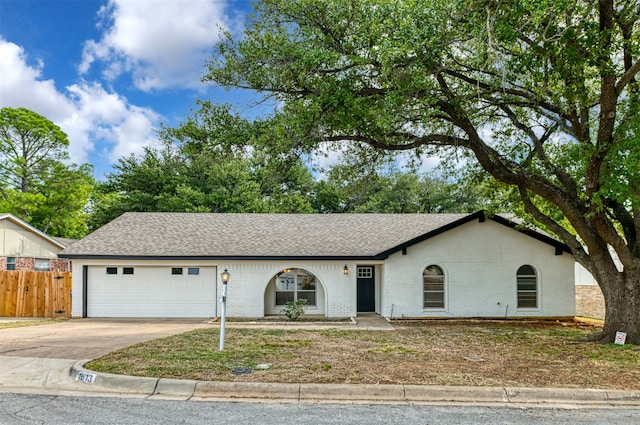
(355,393)
(163,388)
(108,382)
(430,394)
(174,388)
(247,390)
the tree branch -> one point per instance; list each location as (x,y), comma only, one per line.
(547,221)
(440,139)
(538,143)
(504,90)
(627,78)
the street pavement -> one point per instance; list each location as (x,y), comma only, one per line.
(50,359)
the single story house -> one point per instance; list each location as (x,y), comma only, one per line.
(398,265)
(23,247)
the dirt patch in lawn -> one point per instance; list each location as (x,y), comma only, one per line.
(427,353)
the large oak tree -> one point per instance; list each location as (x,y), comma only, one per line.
(543,94)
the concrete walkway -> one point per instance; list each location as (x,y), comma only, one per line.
(364,321)
(48,375)
(373,322)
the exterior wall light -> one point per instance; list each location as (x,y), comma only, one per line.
(345,270)
(225,277)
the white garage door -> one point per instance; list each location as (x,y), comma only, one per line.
(151,291)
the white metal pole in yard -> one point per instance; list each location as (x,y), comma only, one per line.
(223,316)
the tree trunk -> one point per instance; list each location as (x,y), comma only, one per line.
(622,302)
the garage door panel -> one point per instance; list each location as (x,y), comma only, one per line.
(151,292)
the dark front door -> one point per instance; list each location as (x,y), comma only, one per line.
(366,289)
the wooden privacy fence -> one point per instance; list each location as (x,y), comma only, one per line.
(35,294)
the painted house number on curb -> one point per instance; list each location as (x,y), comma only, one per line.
(87,378)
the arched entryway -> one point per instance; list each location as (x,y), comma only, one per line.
(292,284)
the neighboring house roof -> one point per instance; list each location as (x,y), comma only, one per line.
(269,236)
(27,226)
(67,242)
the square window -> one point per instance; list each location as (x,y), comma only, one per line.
(176,270)
(127,270)
(282,297)
(285,282)
(310,296)
(365,272)
(193,271)
(42,264)
(11,263)
(112,270)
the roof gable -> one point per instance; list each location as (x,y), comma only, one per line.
(264,236)
(31,229)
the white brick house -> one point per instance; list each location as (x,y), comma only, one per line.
(398,265)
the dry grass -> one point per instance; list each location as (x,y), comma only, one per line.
(20,323)
(428,353)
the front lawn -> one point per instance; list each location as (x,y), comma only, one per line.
(428,353)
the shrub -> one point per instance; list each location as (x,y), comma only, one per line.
(294,309)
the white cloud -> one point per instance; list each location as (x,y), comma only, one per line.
(22,86)
(163,44)
(93,118)
(107,118)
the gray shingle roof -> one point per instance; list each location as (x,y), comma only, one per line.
(260,235)
(66,241)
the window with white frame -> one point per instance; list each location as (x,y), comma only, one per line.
(11,263)
(42,264)
(527,287)
(433,287)
(294,284)
(365,272)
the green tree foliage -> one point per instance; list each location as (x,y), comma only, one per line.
(65,191)
(216,161)
(348,189)
(212,162)
(542,94)
(283,178)
(28,142)
(35,183)
(167,180)
(411,193)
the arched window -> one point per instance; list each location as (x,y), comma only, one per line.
(527,287)
(433,287)
(293,284)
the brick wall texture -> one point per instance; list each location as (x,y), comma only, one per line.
(24,263)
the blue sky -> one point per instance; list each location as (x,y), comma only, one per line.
(109,72)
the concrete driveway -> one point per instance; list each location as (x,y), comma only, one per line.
(89,338)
